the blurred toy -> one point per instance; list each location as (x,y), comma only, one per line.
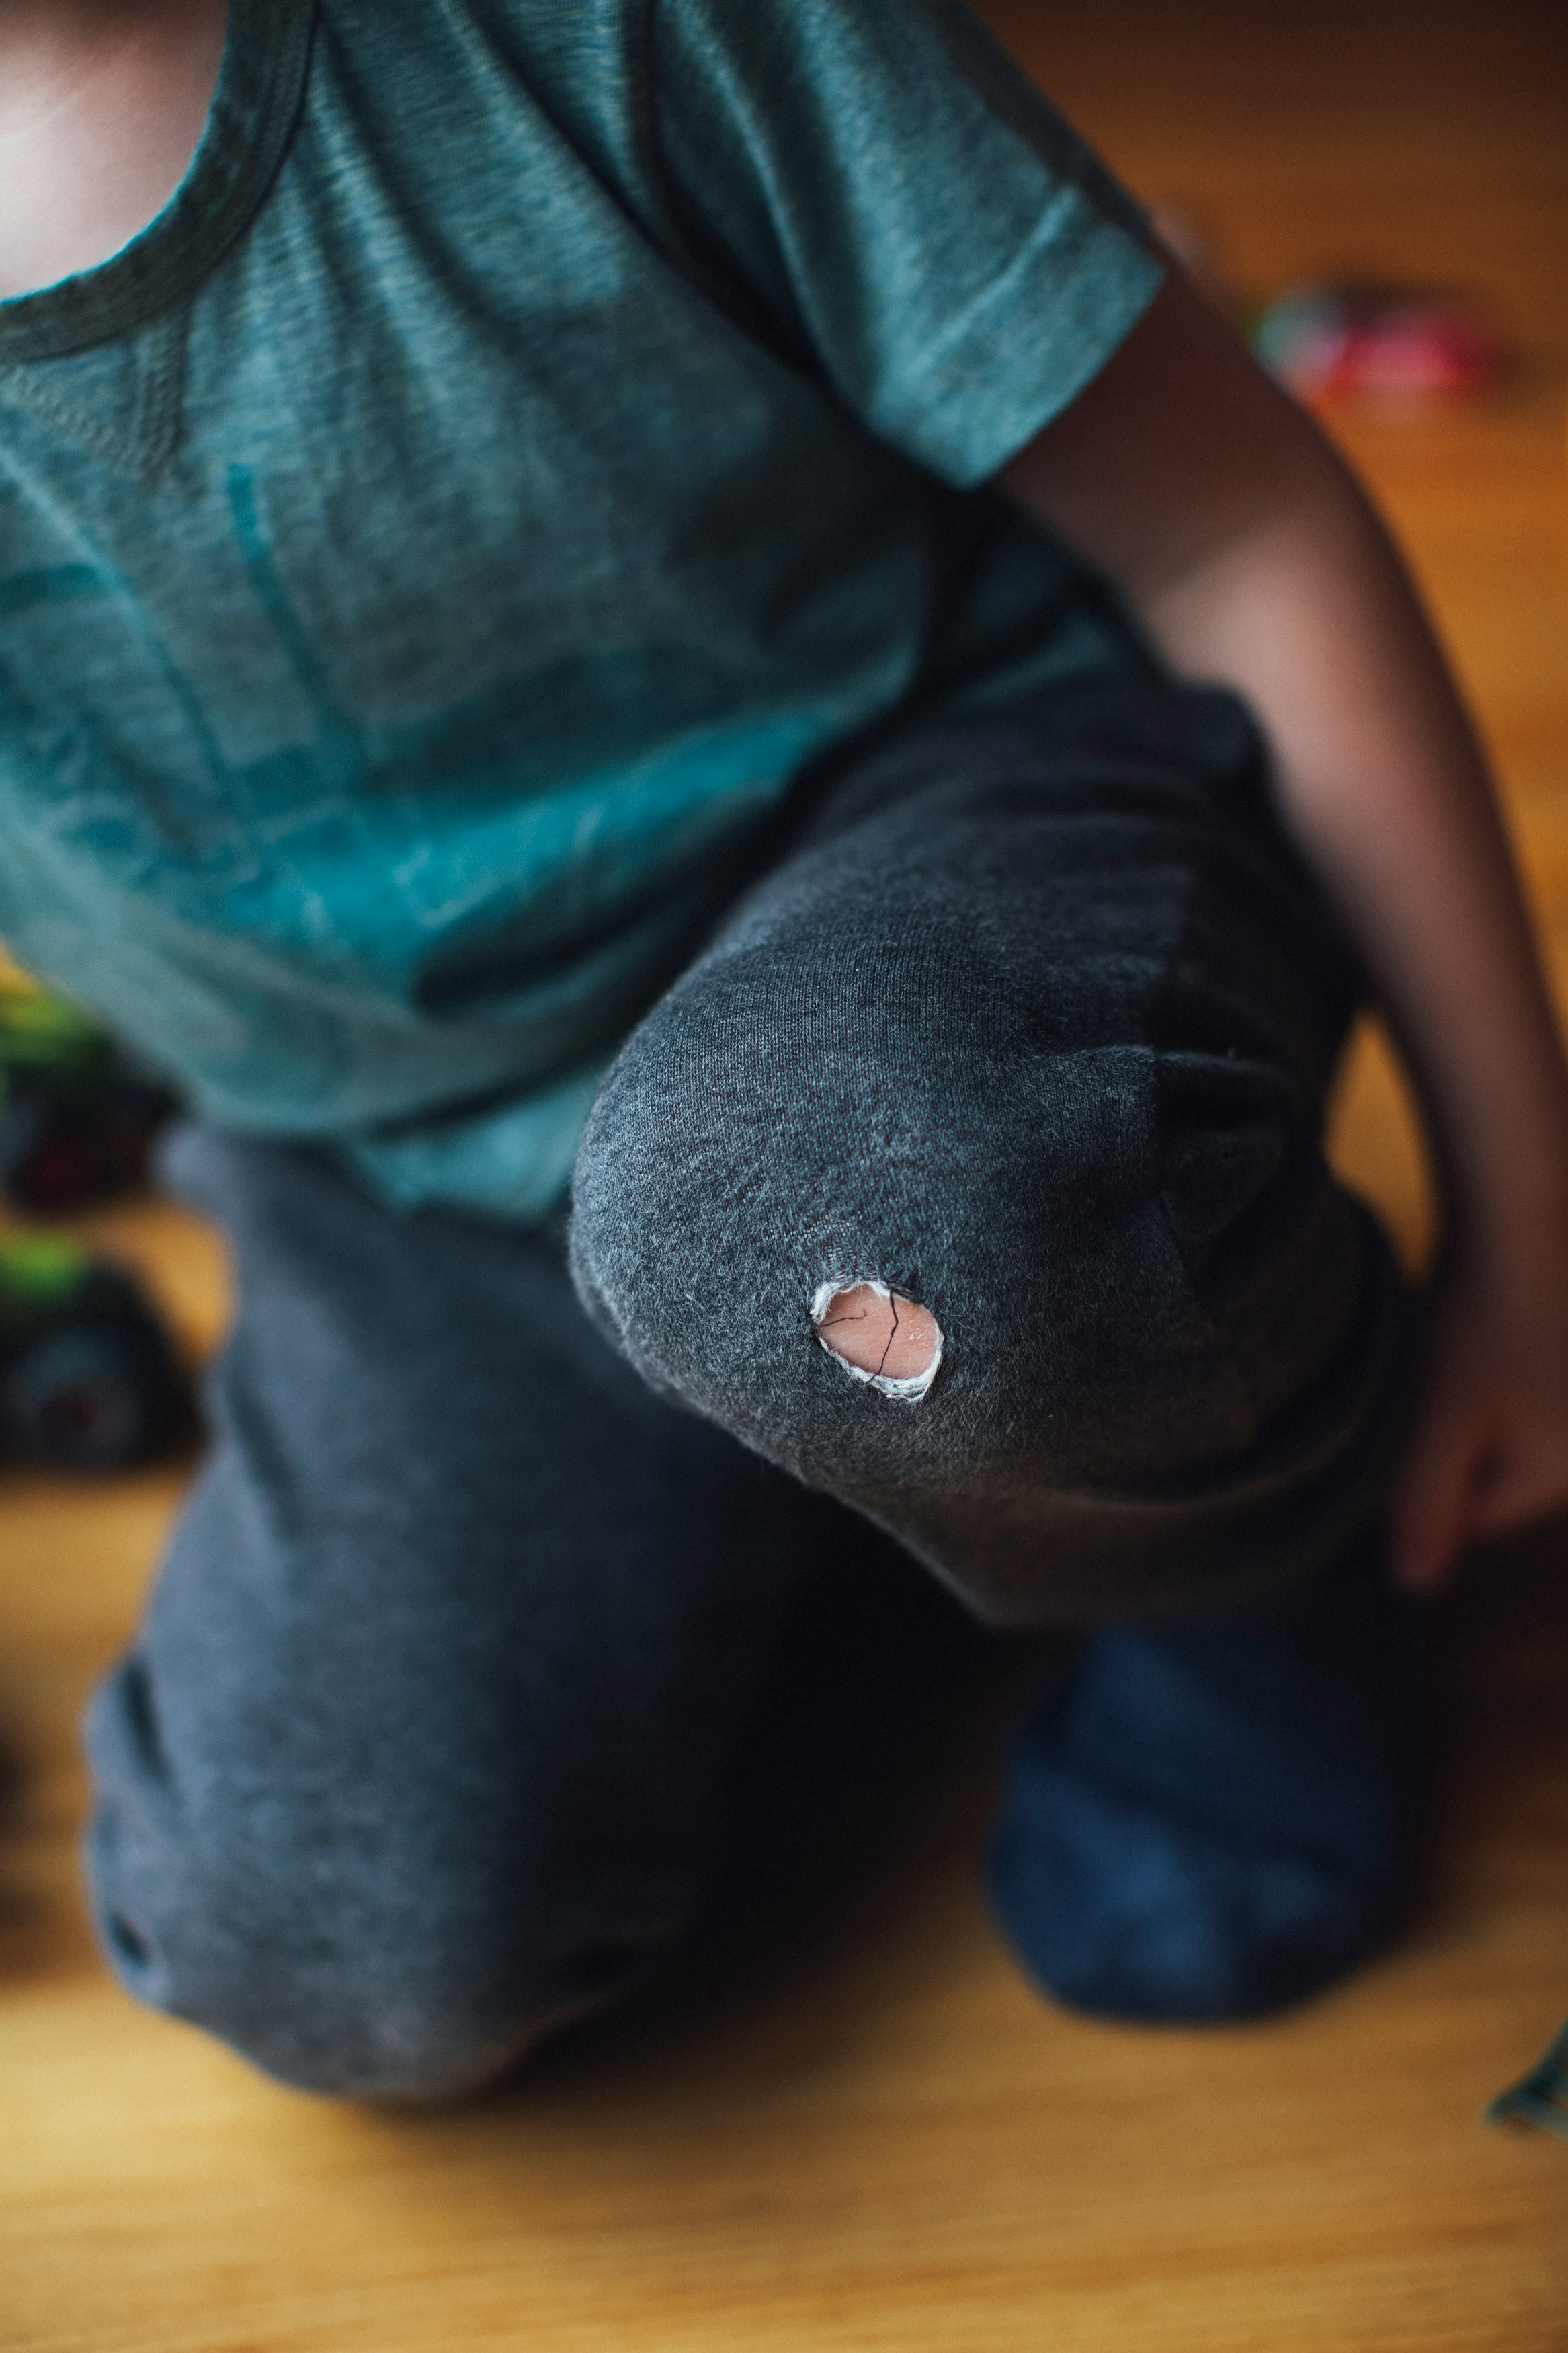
(89,1380)
(1329,343)
(1541,2097)
(76,1118)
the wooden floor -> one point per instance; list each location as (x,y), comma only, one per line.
(883,2140)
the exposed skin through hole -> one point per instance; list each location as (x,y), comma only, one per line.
(879,1333)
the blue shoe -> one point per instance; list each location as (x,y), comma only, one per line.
(1210,1822)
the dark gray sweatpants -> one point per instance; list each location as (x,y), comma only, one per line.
(420,1750)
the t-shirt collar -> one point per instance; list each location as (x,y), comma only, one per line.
(260,83)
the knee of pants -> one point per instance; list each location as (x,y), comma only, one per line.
(1134,1257)
(335,1956)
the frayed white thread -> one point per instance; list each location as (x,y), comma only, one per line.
(910,1389)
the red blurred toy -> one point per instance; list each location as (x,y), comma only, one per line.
(1330,343)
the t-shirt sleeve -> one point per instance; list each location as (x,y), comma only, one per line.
(906,205)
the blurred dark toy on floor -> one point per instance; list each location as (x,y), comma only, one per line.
(77,1116)
(89,1378)
(1540,2098)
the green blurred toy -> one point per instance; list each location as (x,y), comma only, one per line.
(89,1380)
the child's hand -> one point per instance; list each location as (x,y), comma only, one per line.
(1492,1448)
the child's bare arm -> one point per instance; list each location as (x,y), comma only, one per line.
(1253,558)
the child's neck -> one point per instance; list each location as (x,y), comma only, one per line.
(102,105)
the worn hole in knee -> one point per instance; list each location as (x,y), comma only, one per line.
(878,1336)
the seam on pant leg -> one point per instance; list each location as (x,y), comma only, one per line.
(1245,1387)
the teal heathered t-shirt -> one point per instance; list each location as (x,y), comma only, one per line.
(532,432)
